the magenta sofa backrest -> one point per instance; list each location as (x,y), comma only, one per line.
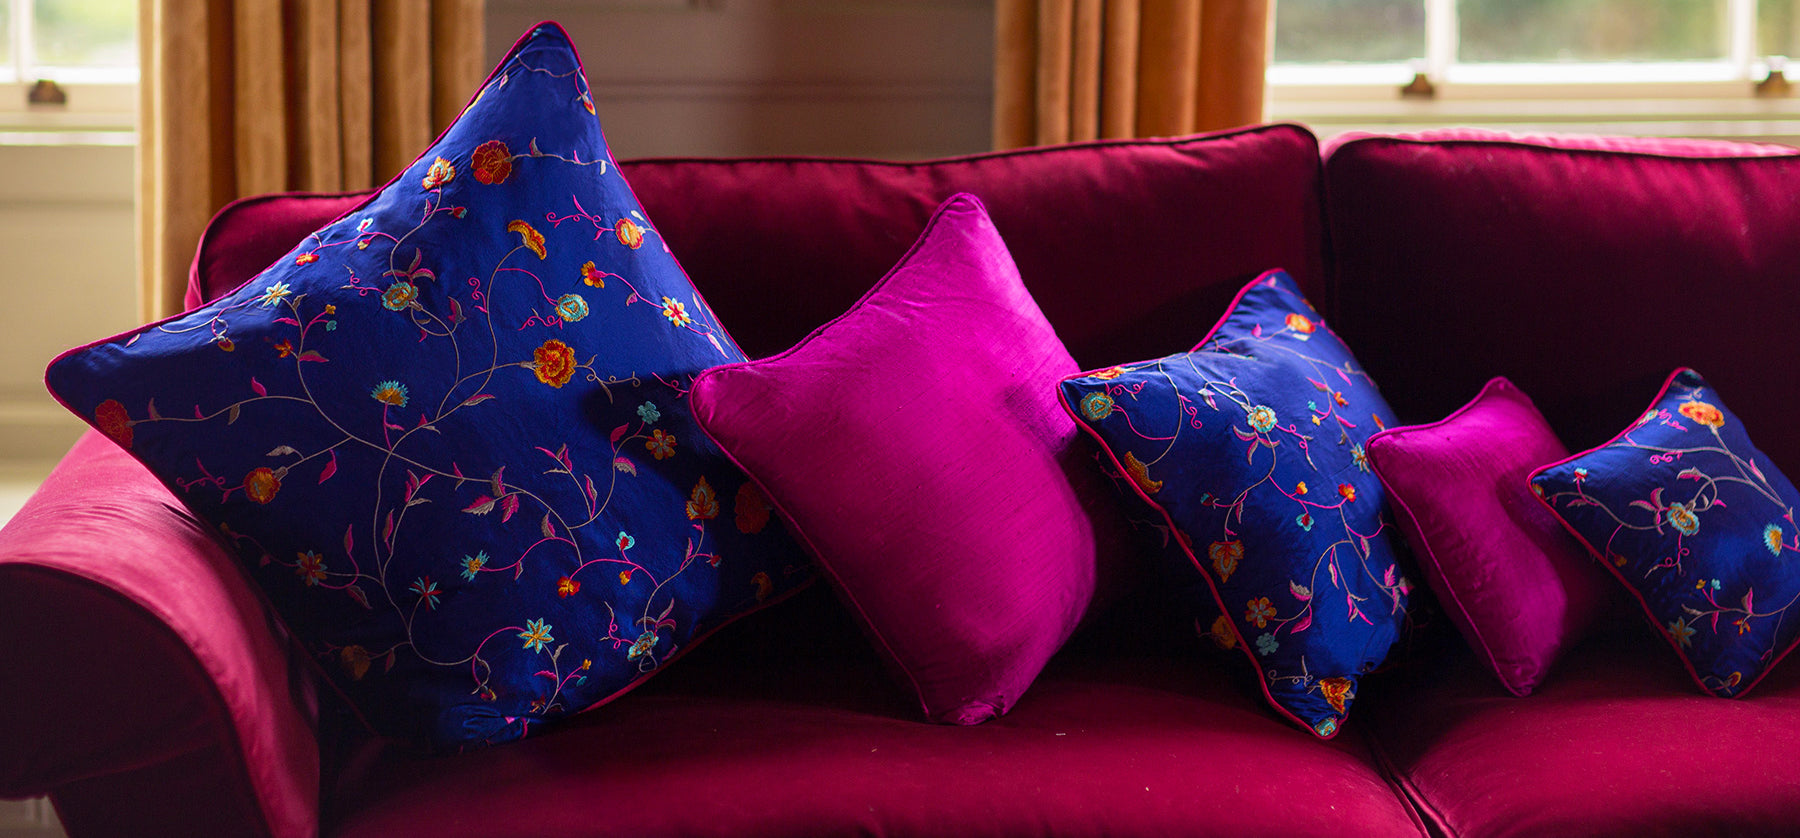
(1132,248)
(1584,269)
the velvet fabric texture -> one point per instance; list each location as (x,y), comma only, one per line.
(1463,255)
(1698,524)
(448,436)
(1249,452)
(916,449)
(1509,577)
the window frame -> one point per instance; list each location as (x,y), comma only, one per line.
(102,101)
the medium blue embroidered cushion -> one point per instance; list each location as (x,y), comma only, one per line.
(1249,450)
(449,434)
(1698,524)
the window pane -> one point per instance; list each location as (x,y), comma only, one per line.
(5,38)
(1592,30)
(1349,30)
(85,33)
(1778,27)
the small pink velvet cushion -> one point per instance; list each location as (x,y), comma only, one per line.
(915,446)
(1512,580)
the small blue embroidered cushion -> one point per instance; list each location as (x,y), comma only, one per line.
(1249,450)
(1698,524)
(449,434)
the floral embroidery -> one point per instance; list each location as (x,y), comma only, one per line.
(591,275)
(1267,645)
(390,393)
(310,568)
(763,584)
(648,412)
(1773,539)
(274,294)
(110,417)
(529,237)
(306,258)
(1261,418)
(703,505)
(661,444)
(492,162)
(1221,634)
(399,296)
(1225,556)
(1682,632)
(553,363)
(427,591)
(566,587)
(1140,474)
(355,660)
(1681,516)
(261,484)
(1260,612)
(1096,406)
(1703,414)
(1360,457)
(536,634)
(1347,492)
(643,645)
(751,510)
(629,233)
(676,312)
(1337,691)
(571,307)
(440,173)
(472,565)
(1300,323)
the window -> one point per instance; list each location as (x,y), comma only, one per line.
(89,49)
(1676,67)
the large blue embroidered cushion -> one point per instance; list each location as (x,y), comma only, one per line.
(1698,524)
(1249,452)
(449,436)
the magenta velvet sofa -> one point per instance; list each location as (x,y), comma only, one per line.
(150,691)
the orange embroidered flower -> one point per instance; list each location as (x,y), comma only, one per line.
(492,161)
(1110,374)
(1300,488)
(593,276)
(1337,691)
(629,233)
(1225,556)
(261,484)
(752,510)
(355,660)
(1259,611)
(624,577)
(306,258)
(1221,633)
(566,587)
(1140,474)
(529,236)
(390,393)
(1347,491)
(764,587)
(284,349)
(703,504)
(676,312)
(1299,323)
(310,568)
(661,444)
(110,417)
(441,172)
(226,345)
(1703,413)
(554,363)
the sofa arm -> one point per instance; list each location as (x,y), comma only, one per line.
(149,690)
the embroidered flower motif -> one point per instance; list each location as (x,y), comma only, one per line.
(764,587)
(261,484)
(624,577)
(492,161)
(1110,374)
(1703,414)
(390,393)
(1300,488)
(355,660)
(1681,516)
(1266,644)
(441,172)
(676,312)
(1773,538)
(703,504)
(1221,634)
(661,444)
(472,565)
(1305,520)
(643,646)
(1225,556)
(1359,456)
(625,542)
(593,276)
(1682,632)
(648,412)
(751,510)
(629,233)
(1140,474)
(566,587)
(274,294)
(426,590)
(571,307)
(1326,727)
(399,296)
(1096,406)
(112,419)
(284,349)
(1259,612)
(1337,691)
(1347,492)
(536,634)
(1300,324)
(306,258)
(1261,418)
(554,363)
(529,236)
(310,568)
(225,345)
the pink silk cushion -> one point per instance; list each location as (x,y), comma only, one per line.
(915,446)
(1519,588)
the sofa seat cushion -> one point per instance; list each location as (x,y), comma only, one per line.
(1616,742)
(819,744)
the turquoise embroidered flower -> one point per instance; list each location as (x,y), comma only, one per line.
(1305,521)
(1359,456)
(571,307)
(1682,632)
(1266,644)
(399,296)
(1682,517)
(536,634)
(390,393)
(472,565)
(644,644)
(648,412)
(1261,418)
(274,294)
(1096,406)
(426,590)
(1773,538)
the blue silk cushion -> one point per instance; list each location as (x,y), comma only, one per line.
(1249,451)
(448,434)
(1699,526)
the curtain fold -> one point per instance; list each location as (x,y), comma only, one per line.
(1069,70)
(241,97)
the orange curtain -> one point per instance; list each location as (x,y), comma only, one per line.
(1069,70)
(242,97)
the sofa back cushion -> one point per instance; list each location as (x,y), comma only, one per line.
(1125,244)
(1583,269)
